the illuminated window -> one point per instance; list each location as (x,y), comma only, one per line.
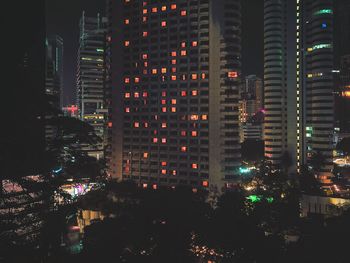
(145,72)
(173,61)
(145,94)
(194,43)
(126,43)
(145,34)
(173,109)
(203,76)
(194,133)
(127,109)
(194,166)
(144,3)
(173,6)
(173,53)
(126,21)
(163,23)
(194,117)
(163,93)
(163,140)
(155,140)
(163,109)
(183,52)
(173,77)
(136,124)
(183,93)
(126,80)
(194,92)
(194,76)
(164,125)
(127,95)
(163,102)
(137,95)
(163,171)
(232,74)
(145,64)
(145,155)
(144,11)
(154,71)
(110,124)
(137,80)
(163,70)
(144,19)
(154,187)
(173,70)
(183,44)
(174,172)
(205,183)
(144,56)
(183,149)
(204,117)
(163,8)
(144,185)
(145,124)
(183,13)
(154,10)
(183,133)
(173,101)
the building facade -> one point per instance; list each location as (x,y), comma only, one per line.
(175,111)
(91,76)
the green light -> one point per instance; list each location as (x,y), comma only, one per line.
(321,46)
(254,198)
(323,11)
(308,128)
(244,170)
(269,199)
(99,50)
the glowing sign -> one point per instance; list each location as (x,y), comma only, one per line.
(323,11)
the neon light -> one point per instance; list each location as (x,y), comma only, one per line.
(323,11)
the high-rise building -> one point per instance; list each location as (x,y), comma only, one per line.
(315,83)
(90,77)
(176,69)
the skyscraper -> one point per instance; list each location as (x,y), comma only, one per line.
(90,76)
(315,84)
(176,69)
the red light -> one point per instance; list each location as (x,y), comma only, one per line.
(232,74)
(110,124)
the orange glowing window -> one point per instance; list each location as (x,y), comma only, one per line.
(194,117)
(173,77)
(126,80)
(137,95)
(144,56)
(183,52)
(155,140)
(163,102)
(173,6)
(194,92)
(232,74)
(183,133)
(127,43)
(163,23)
(164,125)
(127,1)
(203,76)
(144,186)
(154,10)
(163,70)
(154,71)
(173,53)
(204,117)
(145,64)
(183,13)
(163,140)
(144,19)
(137,80)
(154,187)
(163,93)
(163,163)
(174,172)
(183,149)
(194,76)
(163,171)
(127,109)
(183,44)
(173,101)
(145,34)
(163,109)
(163,8)
(126,21)
(194,133)
(183,93)
(205,183)
(173,61)
(145,124)
(110,124)
(145,155)
(194,166)
(144,11)
(173,109)
(145,94)
(194,43)
(136,124)
(127,95)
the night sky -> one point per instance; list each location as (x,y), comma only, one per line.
(63,19)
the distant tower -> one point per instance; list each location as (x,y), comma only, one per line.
(90,76)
